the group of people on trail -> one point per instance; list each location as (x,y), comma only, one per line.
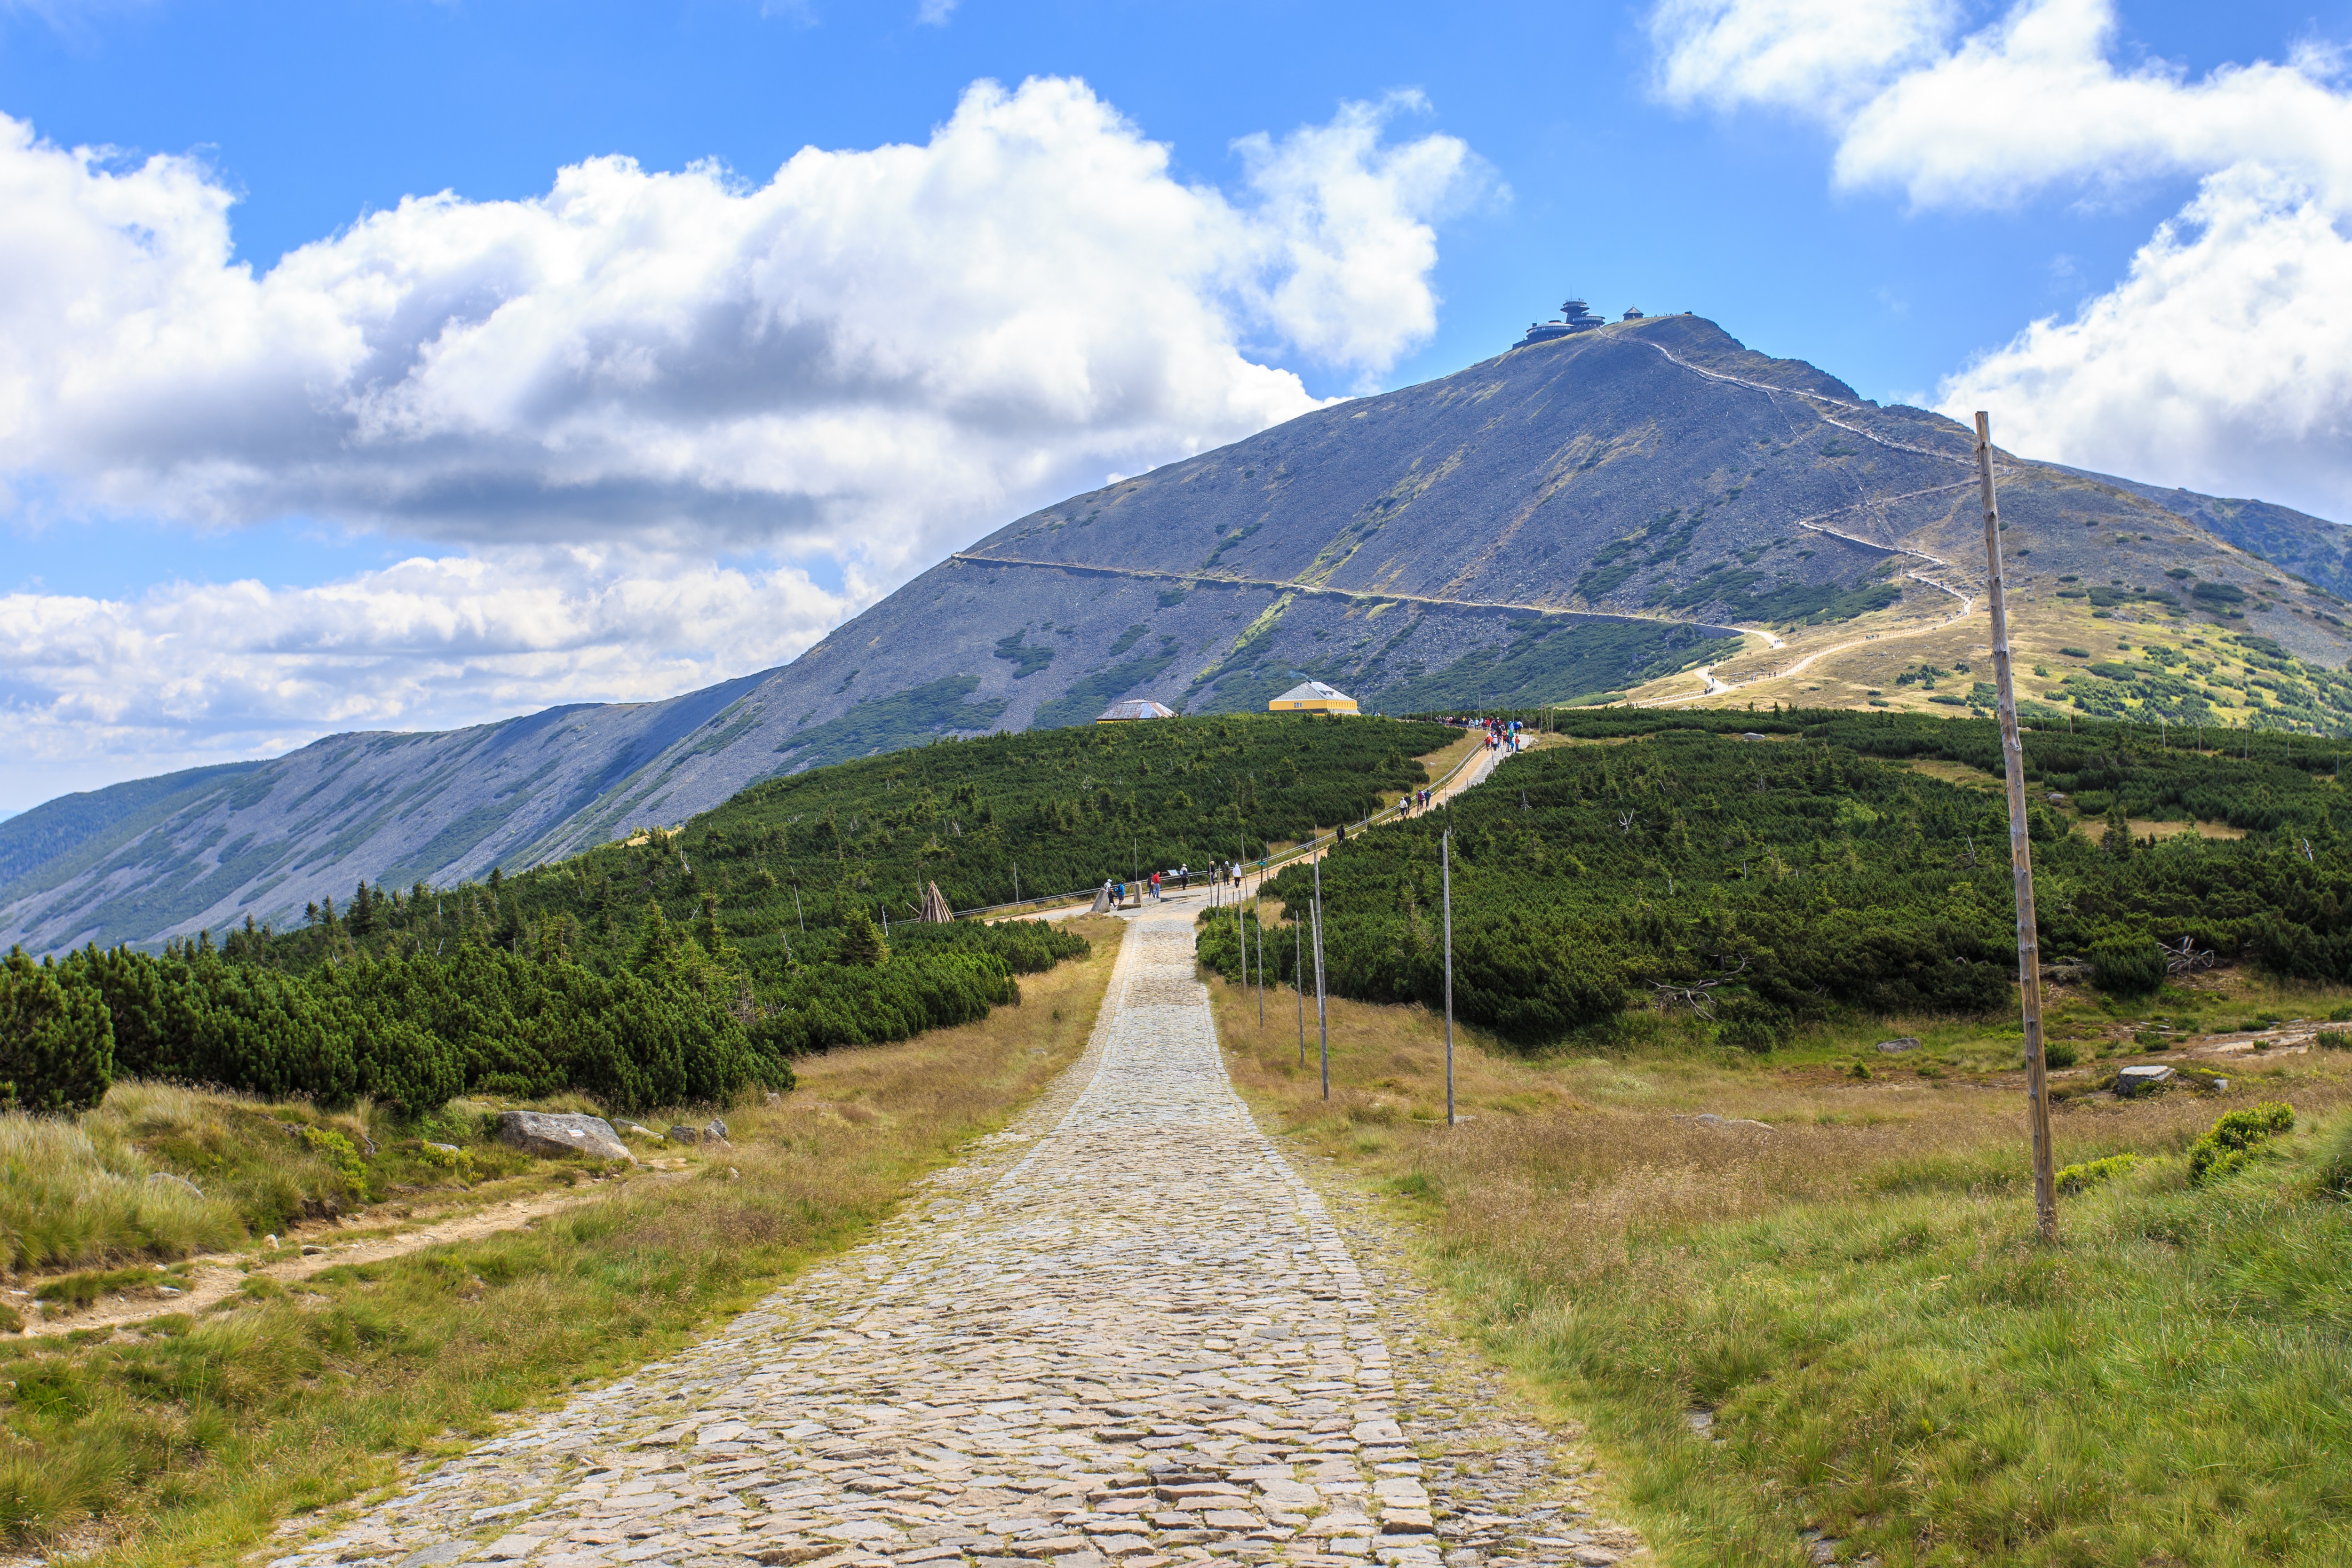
(1509,732)
(1417,801)
(1152,889)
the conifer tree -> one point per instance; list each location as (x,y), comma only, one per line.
(861,941)
(2117,839)
(57,1042)
(706,926)
(657,944)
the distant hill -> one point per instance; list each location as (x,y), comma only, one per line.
(1564,521)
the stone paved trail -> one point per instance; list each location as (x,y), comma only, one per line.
(1127,1332)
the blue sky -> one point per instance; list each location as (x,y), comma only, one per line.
(1794,182)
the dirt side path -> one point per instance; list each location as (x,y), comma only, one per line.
(214,1276)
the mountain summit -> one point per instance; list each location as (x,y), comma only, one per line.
(1588,513)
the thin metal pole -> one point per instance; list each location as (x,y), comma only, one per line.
(1446,860)
(1322,1020)
(1261,950)
(2021,853)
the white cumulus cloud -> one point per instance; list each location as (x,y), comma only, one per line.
(2222,363)
(96,690)
(873,355)
(2214,363)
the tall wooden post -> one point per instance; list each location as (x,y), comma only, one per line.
(2021,852)
(1298,977)
(1322,1019)
(1445,860)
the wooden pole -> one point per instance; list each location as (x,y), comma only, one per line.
(1322,1019)
(1299,978)
(2021,853)
(1260,950)
(1446,860)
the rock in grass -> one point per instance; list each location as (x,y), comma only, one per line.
(542,1133)
(2133,1081)
(714,1130)
(682,1133)
(1709,1119)
(1898,1046)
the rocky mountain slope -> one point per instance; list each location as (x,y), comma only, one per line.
(1573,519)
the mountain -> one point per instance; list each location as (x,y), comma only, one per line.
(1567,519)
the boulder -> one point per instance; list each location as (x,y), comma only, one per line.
(637,1130)
(682,1133)
(548,1133)
(714,1131)
(1709,1119)
(1898,1046)
(2135,1080)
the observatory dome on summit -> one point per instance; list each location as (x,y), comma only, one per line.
(1575,316)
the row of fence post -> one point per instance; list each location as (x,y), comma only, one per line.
(1300,931)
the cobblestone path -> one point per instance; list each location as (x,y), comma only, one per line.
(1127,1334)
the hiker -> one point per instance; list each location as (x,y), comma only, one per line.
(1184,878)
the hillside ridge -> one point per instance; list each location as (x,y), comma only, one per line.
(1569,520)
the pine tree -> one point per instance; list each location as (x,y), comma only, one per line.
(57,1042)
(362,911)
(706,926)
(657,944)
(861,944)
(2117,839)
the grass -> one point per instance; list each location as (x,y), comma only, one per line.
(184,1441)
(1855,1295)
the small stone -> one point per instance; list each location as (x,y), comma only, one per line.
(714,1130)
(1898,1046)
(2135,1080)
(682,1133)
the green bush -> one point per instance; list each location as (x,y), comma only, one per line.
(1753,1025)
(412,1032)
(2126,967)
(2226,1147)
(57,1043)
(2091,1172)
(2336,1163)
(2060,1053)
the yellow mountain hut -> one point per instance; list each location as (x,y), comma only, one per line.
(1313,697)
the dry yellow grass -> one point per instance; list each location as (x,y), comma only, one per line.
(1863,1259)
